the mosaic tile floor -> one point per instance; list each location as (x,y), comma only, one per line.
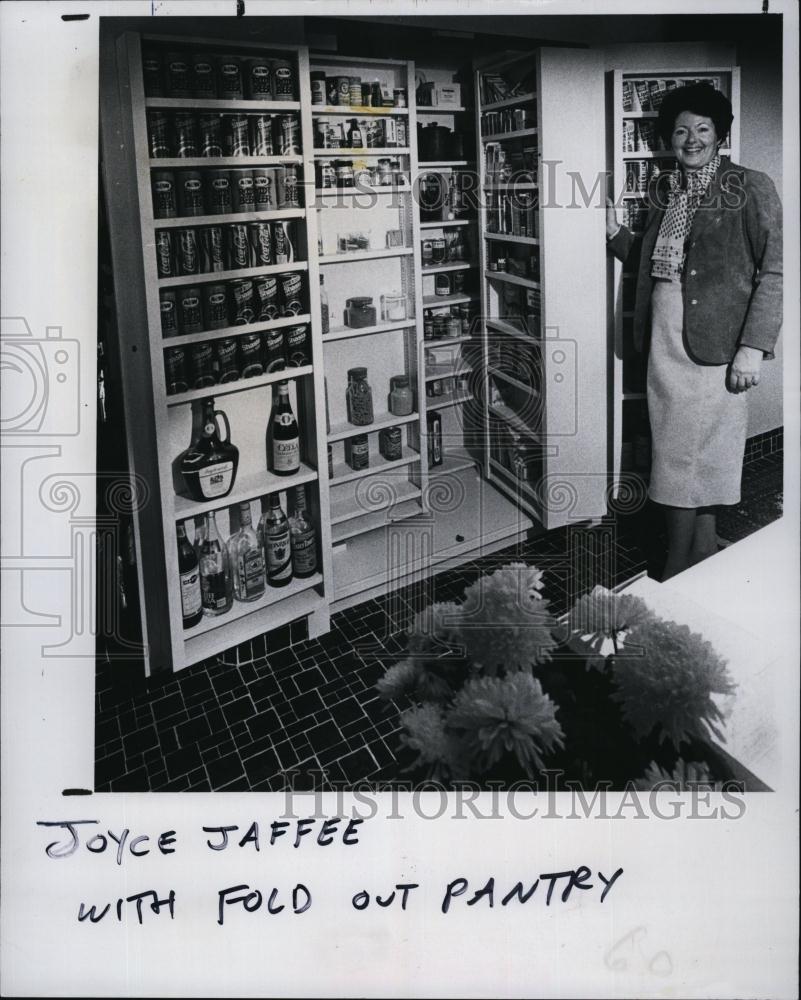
(304,713)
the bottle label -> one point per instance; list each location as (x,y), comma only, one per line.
(286,455)
(304,553)
(214,595)
(215,480)
(279,562)
(251,574)
(190,593)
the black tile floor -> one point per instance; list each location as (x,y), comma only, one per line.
(304,713)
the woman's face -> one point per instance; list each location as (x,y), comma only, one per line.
(694,140)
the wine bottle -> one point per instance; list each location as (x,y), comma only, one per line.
(283,439)
(215,571)
(191,603)
(247,558)
(274,533)
(209,464)
(324,313)
(302,537)
(355,140)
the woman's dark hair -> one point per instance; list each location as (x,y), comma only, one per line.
(700,99)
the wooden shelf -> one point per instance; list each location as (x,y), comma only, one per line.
(508,238)
(454,460)
(441,268)
(450,399)
(246,487)
(511,279)
(509,102)
(519,133)
(517,484)
(508,415)
(501,326)
(432,301)
(440,109)
(514,185)
(349,509)
(238,385)
(356,110)
(346,332)
(448,369)
(428,224)
(379,519)
(193,221)
(346,153)
(218,104)
(640,114)
(196,162)
(352,192)
(445,341)
(244,272)
(234,331)
(424,165)
(344,430)
(522,386)
(344,474)
(356,255)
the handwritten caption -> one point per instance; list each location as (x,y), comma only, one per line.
(82,835)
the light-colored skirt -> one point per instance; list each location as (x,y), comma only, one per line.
(698,426)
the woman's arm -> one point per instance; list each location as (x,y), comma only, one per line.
(619,239)
(763,226)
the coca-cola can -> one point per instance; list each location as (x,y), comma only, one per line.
(230,76)
(261,135)
(264,189)
(185,135)
(153,73)
(164,196)
(275,360)
(188,255)
(220,195)
(291,290)
(204,77)
(175,370)
(258,79)
(242,193)
(237,245)
(261,244)
(212,250)
(179,79)
(284,251)
(297,346)
(210,135)
(190,193)
(242,305)
(165,259)
(201,365)
(169,313)
(190,311)
(158,135)
(236,135)
(225,356)
(265,295)
(215,306)
(289,136)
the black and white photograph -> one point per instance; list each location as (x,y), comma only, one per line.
(393,439)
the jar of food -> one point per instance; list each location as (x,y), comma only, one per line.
(357,452)
(399,97)
(390,443)
(344,173)
(426,253)
(401,398)
(318,86)
(428,325)
(328,176)
(454,326)
(359,398)
(359,312)
(442,284)
(385,170)
(438,250)
(464,317)
(393,307)
(440,326)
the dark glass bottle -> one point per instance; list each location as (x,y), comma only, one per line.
(189,572)
(209,464)
(215,570)
(303,538)
(283,437)
(274,536)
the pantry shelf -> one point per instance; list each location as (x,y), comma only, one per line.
(509,102)
(356,190)
(508,415)
(356,255)
(522,386)
(196,162)
(346,429)
(508,238)
(346,332)
(218,104)
(453,461)
(347,153)
(520,133)
(353,110)
(511,279)
(451,399)
(432,301)
(344,474)
(352,508)
(501,326)
(234,331)
(443,164)
(379,519)
(193,221)
(238,385)
(244,272)
(436,224)
(440,109)
(441,268)
(248,487)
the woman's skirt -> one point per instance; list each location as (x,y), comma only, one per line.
(698,426)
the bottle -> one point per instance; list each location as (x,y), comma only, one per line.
(191,603)
(274,535)
(247,558)
(283,438)
(215,570)
(302,538)
(355,140)
(209,464)
(324,313)
(434,439)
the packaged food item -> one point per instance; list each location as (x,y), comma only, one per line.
(230,79)
(219,195)
(298,353)
(275,348)
(283,80)
(190,193)
(158,135)
(318,87)
(209,141)
(261,244)
(190,312)
(215,306)
(165,257)
(212,250)
(401,397)
(265,292)
(168,305)
(264,189)
(258,79)
(238,246)
(261,135)
(242,305)
(291,290)
(251,361)
(225,357)
(357,452)
(236,135)
(243,196)
(179,80)
(175,370)
(153,73)
(359,397)
(204,77)
(390,443)
(165,202)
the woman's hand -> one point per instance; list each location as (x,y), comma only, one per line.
(612,223)
(744,371)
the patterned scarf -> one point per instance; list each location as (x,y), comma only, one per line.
(667,260)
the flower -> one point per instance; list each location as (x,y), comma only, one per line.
(506,715)
(598,620)
(665,676)
(399,679)
(425,732)
(685,777)
(434,630)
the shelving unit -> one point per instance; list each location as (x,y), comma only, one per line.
(631,168)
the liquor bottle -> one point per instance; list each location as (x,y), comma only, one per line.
(302,538)
(355,140)
(434,439)
(247,558)
(324,313)
(215,571)
(209,464)
(201,533)
(191,603)
(283,439)
(274,534)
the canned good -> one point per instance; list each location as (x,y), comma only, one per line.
(265,296)
(236,135)
(332,90)
(357,452)
(284,251)
(243,196)
(318,89)
(158,135)
(242,301)
(438,250)
(344,174)
(201,366)
(204,81)
(210,135)
(427,253)
(190,313)
(185,135)
(261,135)
(258,79)
(399,97)
(283,80)
(328,177)
(390,443)
(225,356)
(152,73)
(263,189)
(289,136)
(297,347)
(165,260)
(219,192)
(261,244)
(212,250)
(215,306)
(355,90)
(428,325)
(238,247)
(291,286)
(343,90)
(274,346)
(169,313)
(250,355)
(230,73)
(442,284)
(175,370)
(164,197)
(187,251)
(288,187)
(179,80)
(190,193)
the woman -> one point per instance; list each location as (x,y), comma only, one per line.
(709,300)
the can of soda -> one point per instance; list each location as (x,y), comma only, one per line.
(215,306)
(242,193)
(242,301)
(297,346)
(204,79)
(283,80)
(289,136)
(230,75)
(185,135)
(188,255)
(212,250)
(190,193)
(263,189)
(291,290)
(238,246)
(201,365)
(274,349)
(175,370)
(153,73)
(179,79)
(265,295)
(190,312)
(225,356)
(165,259)
(210,135)
(250,355)
(219,192)
(284,251)
(258,79)
(164,197)
(287,187)
(261,135)
(261,244)
(169,313)
(236,135)
(158,135)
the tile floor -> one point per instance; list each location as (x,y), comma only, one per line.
(304,713)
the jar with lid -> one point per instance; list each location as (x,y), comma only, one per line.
(393,307)
(395,172)
(390,443)
(442,284)
(385,170)
(464,316)
(401,398)
(428,325)
(454,326)
(357,452)
(399,97)
(344,173)
(359,398)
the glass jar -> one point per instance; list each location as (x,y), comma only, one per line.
(357,452)
(442,284)
(401,398)
(390,443)
(393,307)
(359,398)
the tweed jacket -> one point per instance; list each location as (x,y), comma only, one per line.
(732,280)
